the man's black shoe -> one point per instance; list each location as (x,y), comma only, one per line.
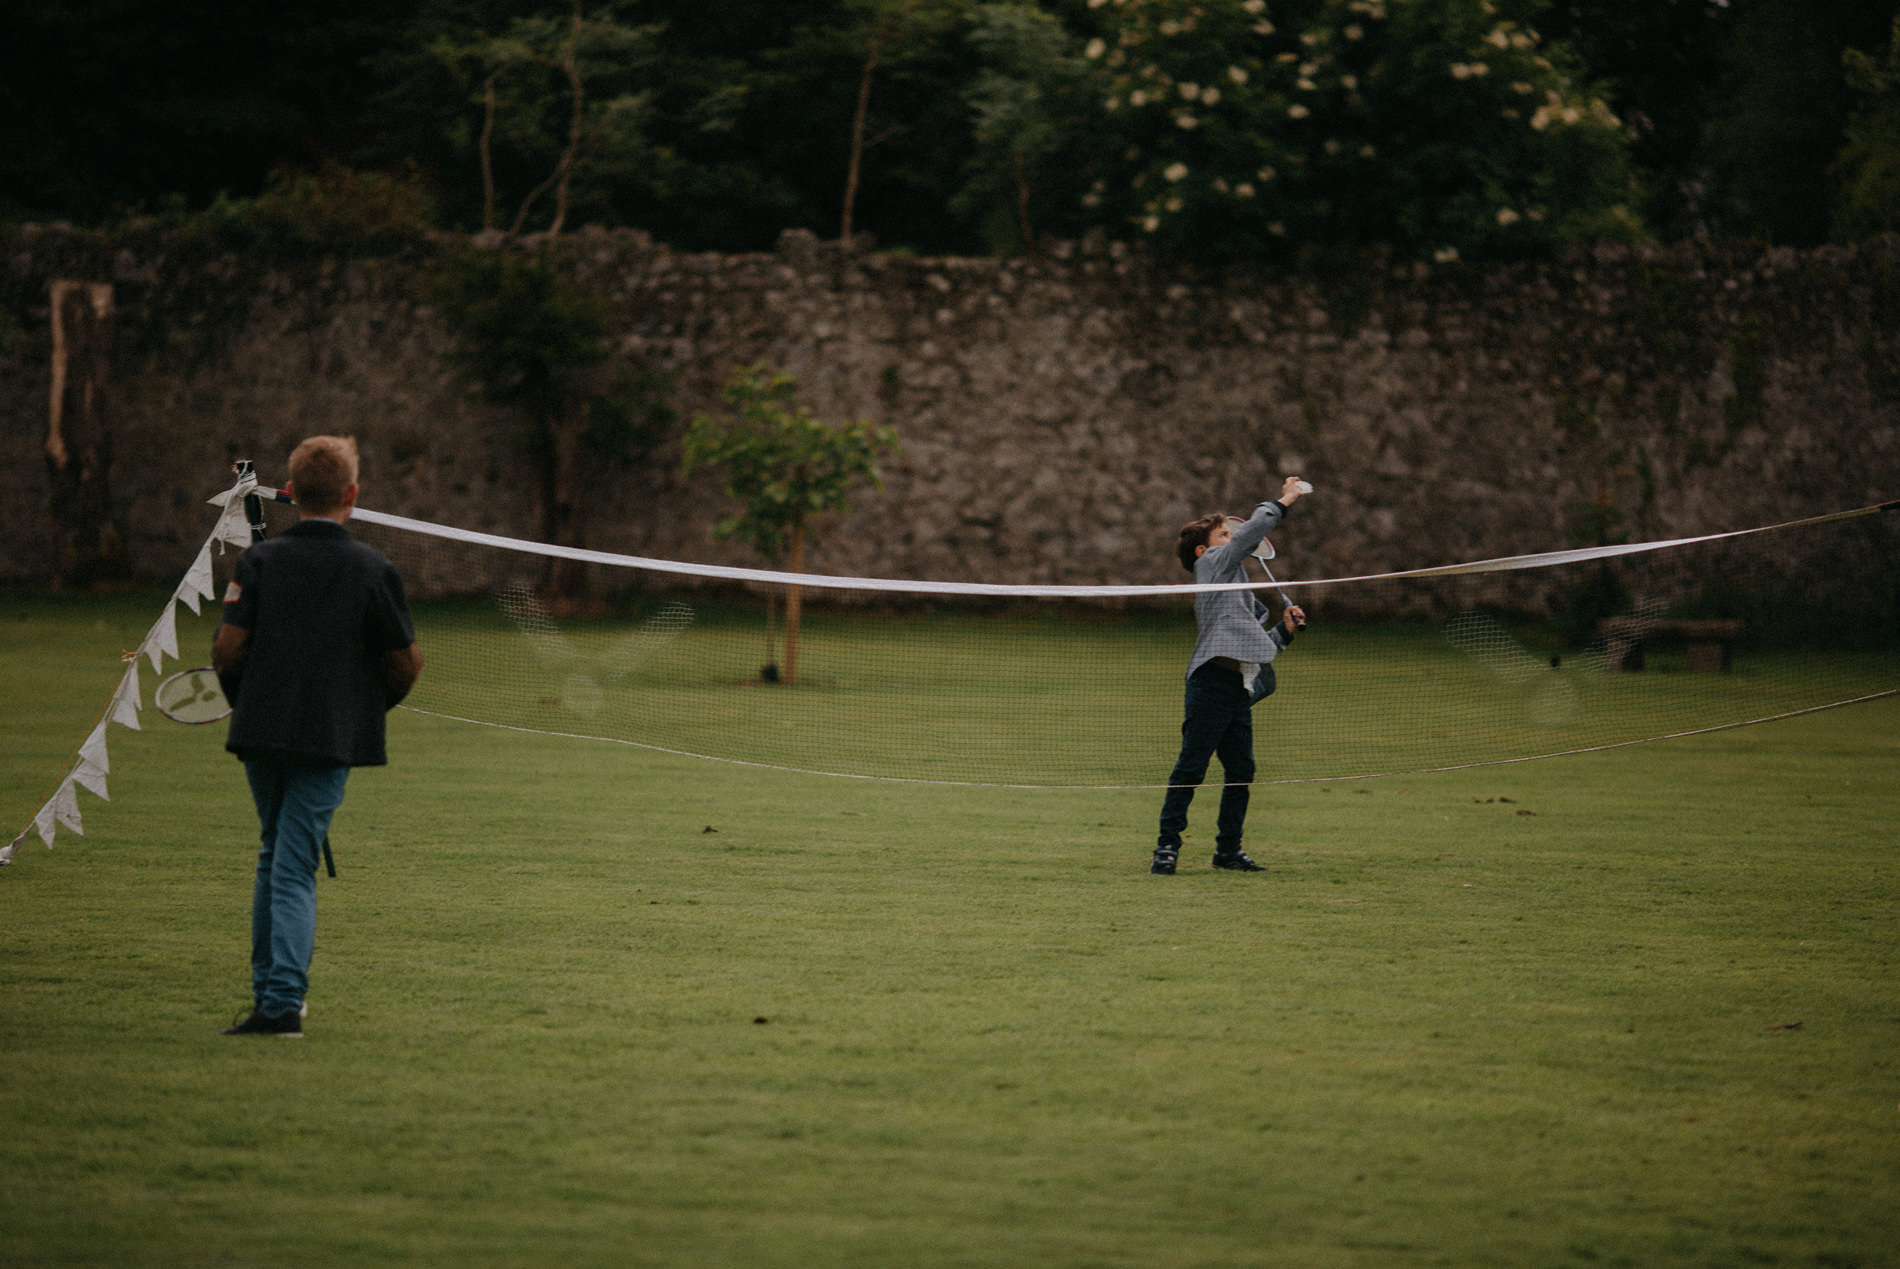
(1164,862)
(288,1025)
(1237,861)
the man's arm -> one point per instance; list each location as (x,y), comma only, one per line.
(230,648)
(401,668)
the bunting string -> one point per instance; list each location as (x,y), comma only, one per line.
(90,764)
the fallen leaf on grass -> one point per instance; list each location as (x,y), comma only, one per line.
(1785,1026)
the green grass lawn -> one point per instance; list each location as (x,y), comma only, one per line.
(1531,1015)
(1082,697)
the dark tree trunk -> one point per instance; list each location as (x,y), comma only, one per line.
(564,509)
(854,166)
(794,604)
(88,546)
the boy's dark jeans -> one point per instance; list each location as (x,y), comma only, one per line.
(1218,721)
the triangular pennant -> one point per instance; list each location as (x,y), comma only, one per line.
(233,527)
(44,823)
(94,750)
(92,779)
(66,807)
(198,582)
(125,701)
(162,641)
(245,483)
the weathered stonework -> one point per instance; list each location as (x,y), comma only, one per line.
(1060,417)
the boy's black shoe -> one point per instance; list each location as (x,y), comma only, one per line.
(288,1025)
(1164,862)
(1236,861)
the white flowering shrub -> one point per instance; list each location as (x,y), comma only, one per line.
(1445,127)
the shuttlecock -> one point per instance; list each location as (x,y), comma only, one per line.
(1304,487)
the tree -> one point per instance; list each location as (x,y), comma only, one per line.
(1033,95)
(886,31)
(782,466)
(744,128)
(528,337)
(1663,61)
(1783,112)
(1868,168)
(531,83)
(1445,127)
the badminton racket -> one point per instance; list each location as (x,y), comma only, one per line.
(192,697)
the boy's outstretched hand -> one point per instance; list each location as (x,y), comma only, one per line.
(1290,491)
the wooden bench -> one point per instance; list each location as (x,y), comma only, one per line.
(1711,643)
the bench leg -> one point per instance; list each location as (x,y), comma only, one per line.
(1712,657)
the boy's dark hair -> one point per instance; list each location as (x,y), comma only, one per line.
(1194,534)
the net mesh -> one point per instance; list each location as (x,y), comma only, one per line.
(1477,664)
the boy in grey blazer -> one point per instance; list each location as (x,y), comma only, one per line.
(1232,667)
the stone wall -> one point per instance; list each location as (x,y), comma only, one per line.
(1060,416)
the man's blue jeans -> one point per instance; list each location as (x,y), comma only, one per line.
(1218,720)
(295,800)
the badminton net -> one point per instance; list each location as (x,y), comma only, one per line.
(986,684)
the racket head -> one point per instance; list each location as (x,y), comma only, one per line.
(1264,551)
(192,697)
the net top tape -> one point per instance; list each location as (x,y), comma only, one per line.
(821,581)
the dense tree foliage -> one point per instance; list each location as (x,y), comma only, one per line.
(1662,60)
(1214,128)
(1869,166)
(528,336)
(1445,128)
(1785,107)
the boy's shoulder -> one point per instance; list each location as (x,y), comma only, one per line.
(328,541)
(1217,564)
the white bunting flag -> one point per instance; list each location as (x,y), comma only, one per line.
(44,823)
(94,750)
(162,641)
(6,852)
(198,583)
(246,483)
(66,807)
(233,527)
(125,701)
(91,778)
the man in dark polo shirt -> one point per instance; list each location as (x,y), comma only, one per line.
(315,646)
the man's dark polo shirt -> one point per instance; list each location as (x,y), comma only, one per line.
(322,609)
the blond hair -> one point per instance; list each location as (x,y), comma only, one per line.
(321,471)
